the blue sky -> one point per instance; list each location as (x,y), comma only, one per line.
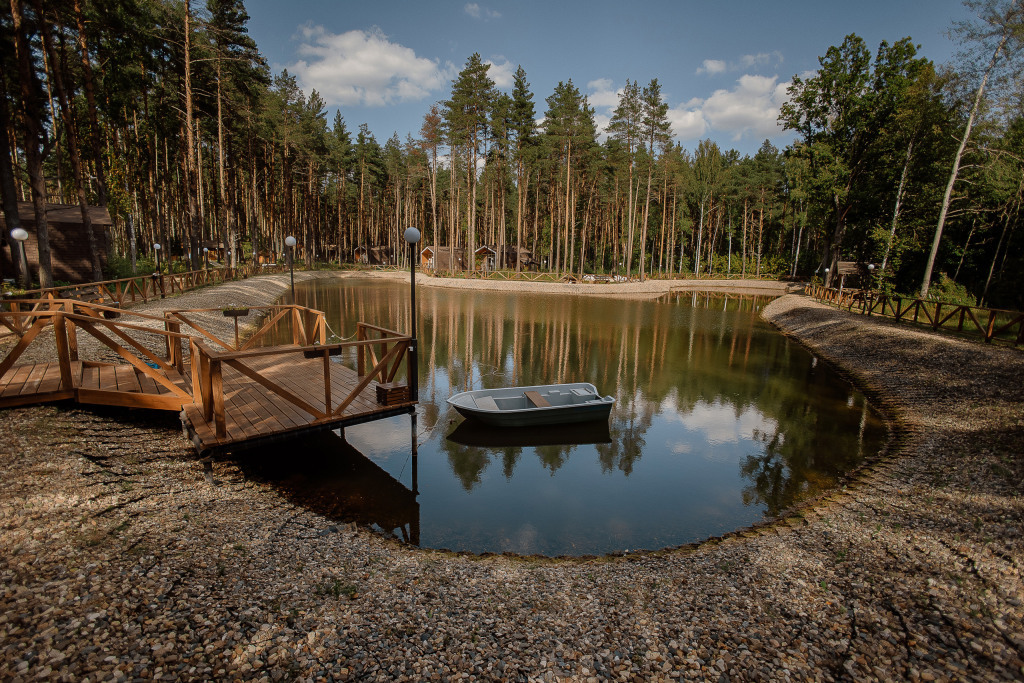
(723,66)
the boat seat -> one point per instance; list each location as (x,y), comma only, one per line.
(485,402)
(536,399)
(584,393)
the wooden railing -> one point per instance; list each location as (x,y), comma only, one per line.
(146,287)
(308,325)
(208,365)
(989,324)
(68,316)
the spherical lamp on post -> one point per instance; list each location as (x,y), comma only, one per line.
(289,242)
(156,250)
(206,257)
(20,235)
(412,236)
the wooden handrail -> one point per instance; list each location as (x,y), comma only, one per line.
(936,314)
(145,288)
(208,362)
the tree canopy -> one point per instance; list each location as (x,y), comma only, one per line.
(165,112)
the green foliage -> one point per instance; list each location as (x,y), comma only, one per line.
(120,267)
(948,291)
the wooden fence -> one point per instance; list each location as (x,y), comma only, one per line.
(989,324)
(146,287)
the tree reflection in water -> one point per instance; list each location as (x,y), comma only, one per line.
(719,422)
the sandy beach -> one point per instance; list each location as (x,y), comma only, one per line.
(122,561)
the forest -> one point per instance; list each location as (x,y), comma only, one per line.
(165,112)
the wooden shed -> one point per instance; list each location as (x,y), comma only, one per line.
(69,243)
(442,258)
(374,256)
(496,258)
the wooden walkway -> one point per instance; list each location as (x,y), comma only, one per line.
(229,395)
(254,413)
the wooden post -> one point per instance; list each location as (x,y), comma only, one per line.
(72,334)
(63,357)
(360,350)
(176,356)
(217,392)
(327,381)
(197,376)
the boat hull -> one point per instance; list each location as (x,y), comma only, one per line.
(512,406)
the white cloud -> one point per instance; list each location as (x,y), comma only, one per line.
(365,68)
(774,58)
(477,12)
(751,108)
(712,66)
(503,75)
(687,122)
(603,94)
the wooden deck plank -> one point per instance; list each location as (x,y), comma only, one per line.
(126,379)
(90,377)
(52,380)
(299,379)
(286,414)
(35,378)
(148,385)
(108,378)
(239,417)
(260,422)
(19,375)
(297,415)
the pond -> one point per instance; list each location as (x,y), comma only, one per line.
(720,422)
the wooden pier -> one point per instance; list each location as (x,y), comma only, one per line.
(229,395)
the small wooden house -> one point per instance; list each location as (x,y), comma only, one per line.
(497,258)
(854,273)
(486,258)
(442,258)
(69,243)
(374,256)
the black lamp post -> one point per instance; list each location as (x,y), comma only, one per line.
(206,257)
(289,242)
(412,236)
(20,235)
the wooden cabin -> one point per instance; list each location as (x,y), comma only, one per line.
(374,256)
(442,258)
(486,258)
(69,243)
(498,258)
(855,274)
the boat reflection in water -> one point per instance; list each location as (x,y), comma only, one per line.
(474,434)
(327,475)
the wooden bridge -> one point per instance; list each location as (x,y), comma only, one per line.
(229,394)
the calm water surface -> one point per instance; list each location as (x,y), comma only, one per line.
(720,422)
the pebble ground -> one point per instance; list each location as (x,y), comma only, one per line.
(120,560)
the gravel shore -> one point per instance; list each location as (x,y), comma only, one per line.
(121,560)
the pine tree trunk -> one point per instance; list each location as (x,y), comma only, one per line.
(71,130)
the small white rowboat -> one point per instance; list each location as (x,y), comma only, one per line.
(540,405)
